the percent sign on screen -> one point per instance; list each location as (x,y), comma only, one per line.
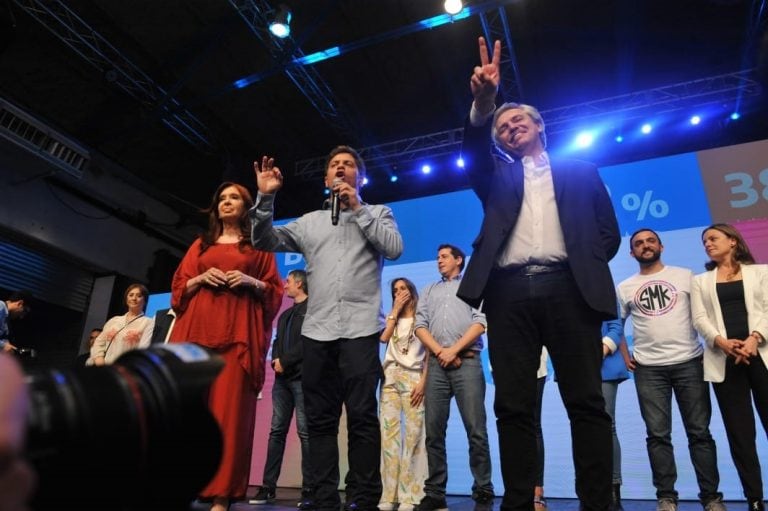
(657,208)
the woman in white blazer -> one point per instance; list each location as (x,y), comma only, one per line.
(729,304)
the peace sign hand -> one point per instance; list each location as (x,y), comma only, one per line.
(269,179)
(485,79)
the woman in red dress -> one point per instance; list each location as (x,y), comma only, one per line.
(225,294)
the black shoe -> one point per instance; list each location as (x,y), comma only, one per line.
(353,506)
(756,505)
(307,501)
(432,504)
(483,500)
(265,495)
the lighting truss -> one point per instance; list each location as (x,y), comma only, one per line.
(62,22)
(721,89)
(298,65)
(496,28)
(257,14)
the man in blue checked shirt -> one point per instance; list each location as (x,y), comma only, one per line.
(450,329)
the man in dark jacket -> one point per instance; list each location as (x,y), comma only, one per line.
(540,269)
(287,356)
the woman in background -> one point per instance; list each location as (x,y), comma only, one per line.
(729,304)
(226,294)
(403,456)
(124,333)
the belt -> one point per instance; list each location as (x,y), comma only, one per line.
(530,270)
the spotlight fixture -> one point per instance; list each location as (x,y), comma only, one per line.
(735,116)
(281,23)
(426,169)
(460,162)
(695,120)
(453,6)
(393,178)
(584,139)
(646,129)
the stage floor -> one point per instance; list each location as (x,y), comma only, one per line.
(287,498)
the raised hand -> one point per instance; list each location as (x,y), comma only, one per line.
(486,77)
(269,179)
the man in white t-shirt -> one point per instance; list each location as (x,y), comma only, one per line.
(667,359)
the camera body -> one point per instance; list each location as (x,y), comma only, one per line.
(133,435)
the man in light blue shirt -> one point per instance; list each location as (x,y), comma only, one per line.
(343,320)
(450,329)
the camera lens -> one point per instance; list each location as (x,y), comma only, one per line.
(133,435)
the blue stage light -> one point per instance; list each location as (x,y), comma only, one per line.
(695,120)
(365,181)
(619,139)
(460,162)
(735,116)
(393,179)
(426,169)
(646,128)
(584,139)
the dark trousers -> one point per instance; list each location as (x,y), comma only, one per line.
(335,373)
(524,313)
(742,384)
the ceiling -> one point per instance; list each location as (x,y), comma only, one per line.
(394,82)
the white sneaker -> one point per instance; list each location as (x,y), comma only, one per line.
(405,507)
(386,506)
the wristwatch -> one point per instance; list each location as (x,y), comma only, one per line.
(390,317)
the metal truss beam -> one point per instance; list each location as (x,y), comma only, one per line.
(62,22)
(257,14)
(496,28)
(727,89)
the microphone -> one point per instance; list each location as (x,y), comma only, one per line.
(335,202)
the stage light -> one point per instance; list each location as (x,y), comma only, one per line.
(460,163)
(646,129)
(426,169)
(453,6)
(735,116)
(327,191)
(393,179)
(365,181)
(619,139)
(281,23)
(584,139)
(695,120)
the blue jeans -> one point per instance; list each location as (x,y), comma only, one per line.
(467,383)
(610,387)
(286,396)
(655,385)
